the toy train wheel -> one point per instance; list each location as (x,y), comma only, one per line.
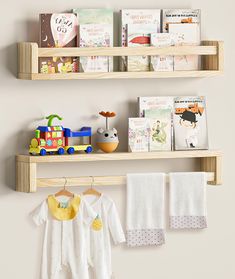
(71,150)
(89,149)
(60,151)
(43,152)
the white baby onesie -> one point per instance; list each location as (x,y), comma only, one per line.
(99,238)
(64,241)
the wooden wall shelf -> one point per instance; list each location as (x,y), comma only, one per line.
(26,165)
(211,52)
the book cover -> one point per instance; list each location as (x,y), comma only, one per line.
(139,35)
(189,34)
(95,35)
(161,62)
(136,16)
(190,123)
(180,16)
(160,129)
(58,30)
(94,17)
(138,135)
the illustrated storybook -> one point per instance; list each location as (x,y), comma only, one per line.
(136,16)
(95,17)
(138,135)
(190,123)
(139,35)
(58,30)
(160,129)
(95,35)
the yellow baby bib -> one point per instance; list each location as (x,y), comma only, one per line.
(61,213)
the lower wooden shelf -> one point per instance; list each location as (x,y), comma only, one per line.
(26,165)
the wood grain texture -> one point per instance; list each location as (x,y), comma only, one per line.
(118,156)
(121,75)
(26,175)
(128,51)
(97,181)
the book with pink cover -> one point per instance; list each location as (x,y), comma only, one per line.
(58,30)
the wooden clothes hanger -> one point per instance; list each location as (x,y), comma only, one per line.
(91,190)
(64,192)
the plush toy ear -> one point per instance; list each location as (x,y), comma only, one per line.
(100,131)
(114,130)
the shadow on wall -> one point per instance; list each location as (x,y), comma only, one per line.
(20,141)
(30,31)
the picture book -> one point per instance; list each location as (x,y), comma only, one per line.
(189,34)
(95,35)
(161,62)
(139,35)
(190,123)
(136,16)
(180,16)
(58,30)
(96,17)
(160,129)
(151,103)
(138,135)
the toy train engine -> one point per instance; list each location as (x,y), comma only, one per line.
(55,139)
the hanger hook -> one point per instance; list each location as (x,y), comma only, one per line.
(65,182)
(92,182)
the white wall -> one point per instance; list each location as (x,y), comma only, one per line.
(205,254)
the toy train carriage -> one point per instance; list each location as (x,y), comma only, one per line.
(51,139)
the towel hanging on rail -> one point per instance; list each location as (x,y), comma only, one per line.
(145,209)
(188,200)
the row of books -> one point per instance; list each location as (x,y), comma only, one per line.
(139,27)
(169,123)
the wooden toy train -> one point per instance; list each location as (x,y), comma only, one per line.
(55,139)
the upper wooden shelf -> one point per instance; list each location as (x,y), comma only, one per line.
(211,52)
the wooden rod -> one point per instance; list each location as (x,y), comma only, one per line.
(127,51)
(98,181)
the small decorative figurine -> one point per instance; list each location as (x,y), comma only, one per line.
(107,139)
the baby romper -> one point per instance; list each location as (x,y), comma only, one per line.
(99,235)
(64,236)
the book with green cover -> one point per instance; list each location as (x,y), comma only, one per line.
(160,129)
(95,17)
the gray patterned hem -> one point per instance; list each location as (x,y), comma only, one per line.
(188,222)
(145,237)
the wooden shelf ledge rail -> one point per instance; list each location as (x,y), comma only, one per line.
(26,165)
(96,180)
(29,53)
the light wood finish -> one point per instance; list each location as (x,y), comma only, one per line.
(211,52)
(27,181)
(117,156)
(128,51)
(27,58)
(26,175)
(214,62)
(121,75)
(213,164)
(98,181)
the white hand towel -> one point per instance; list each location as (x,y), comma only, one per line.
(145,209)
(188,200)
